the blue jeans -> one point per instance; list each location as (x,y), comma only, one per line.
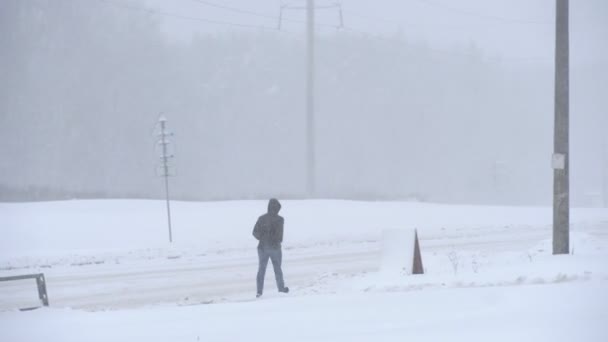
(276,256)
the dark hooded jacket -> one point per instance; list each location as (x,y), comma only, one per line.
(269,227)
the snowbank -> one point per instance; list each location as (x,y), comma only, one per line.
(489,273)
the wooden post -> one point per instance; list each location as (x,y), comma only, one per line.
(561,178)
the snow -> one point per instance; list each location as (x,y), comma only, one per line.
(518,313)
(397,251)
(101,226)
(113,276)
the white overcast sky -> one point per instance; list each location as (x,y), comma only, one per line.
(512,29)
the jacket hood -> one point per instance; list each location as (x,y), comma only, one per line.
(274,206)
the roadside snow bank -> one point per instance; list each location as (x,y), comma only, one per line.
(555,312)
(457,268)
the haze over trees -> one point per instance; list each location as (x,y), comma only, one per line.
(83,83)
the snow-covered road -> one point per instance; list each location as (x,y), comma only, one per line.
(227,276)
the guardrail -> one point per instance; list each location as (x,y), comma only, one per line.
(40,282)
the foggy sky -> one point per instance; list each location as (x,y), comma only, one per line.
(512,29)
(426,100)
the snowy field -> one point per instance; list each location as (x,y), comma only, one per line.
(112,275)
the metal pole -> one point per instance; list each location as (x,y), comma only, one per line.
(41,284)
(561,196)
(310,120)
(164,143)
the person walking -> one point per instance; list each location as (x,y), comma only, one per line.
(268,231)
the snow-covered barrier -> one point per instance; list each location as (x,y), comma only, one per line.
(401,252)
(40,283)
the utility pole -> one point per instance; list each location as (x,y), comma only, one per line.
(605,171)
(561,187)
(165,157)
(310,98)
(311,186)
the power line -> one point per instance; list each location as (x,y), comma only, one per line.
(218,22)
(362,16)
(440,51)
(381,38)
(316,7)
(481,15)
(380,20)
(262,15)
(376,19)
(235,9)
(286,7)
(187,17)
